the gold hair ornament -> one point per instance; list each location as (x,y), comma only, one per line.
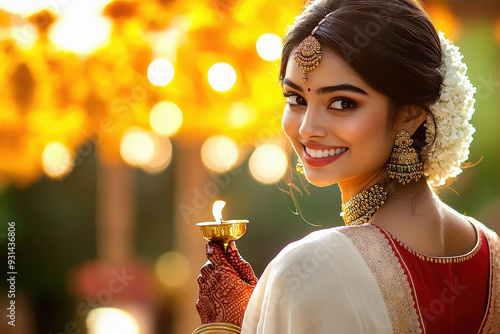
(308,54)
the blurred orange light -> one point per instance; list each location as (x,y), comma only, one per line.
(445,20)
(269,47)
(56,160)
(497,30)
(22,7)
(173,269)
(221,77)
(137,147)
(162,156)
(107,320)
(268,163)
(165,118)
(24,33)
(160,72)
(219,153)
(240,114)
(81,34)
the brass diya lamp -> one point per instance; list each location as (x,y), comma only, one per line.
(222,231)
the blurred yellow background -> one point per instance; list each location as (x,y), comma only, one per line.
(121,122)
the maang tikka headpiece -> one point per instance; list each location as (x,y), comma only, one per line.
(308,54)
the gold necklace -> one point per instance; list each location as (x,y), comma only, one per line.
(361,208)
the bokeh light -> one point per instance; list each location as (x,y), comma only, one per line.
(221,77)
(59,7)
(81,34)
(268,163)
(162,156)
(241,114)
(107,320)
(269,46)
(497,30)
(165,118)
(56,160)
(219,153)
(24,33)
(160,72)
(25,7)
(445,20)
(137,147)
(173,269)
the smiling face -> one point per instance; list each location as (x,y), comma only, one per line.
(338,125)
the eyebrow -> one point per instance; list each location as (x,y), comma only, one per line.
(329,89)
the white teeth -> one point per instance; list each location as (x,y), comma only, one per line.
(325,153)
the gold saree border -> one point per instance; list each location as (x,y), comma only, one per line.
(390,275)
(491,321)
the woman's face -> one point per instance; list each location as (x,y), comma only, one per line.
(338,125)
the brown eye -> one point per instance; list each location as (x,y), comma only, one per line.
(294,99)
(342,104)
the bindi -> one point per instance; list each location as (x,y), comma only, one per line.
(308,89)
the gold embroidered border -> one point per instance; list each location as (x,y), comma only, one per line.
(492,318)
(443,259)
(391,278)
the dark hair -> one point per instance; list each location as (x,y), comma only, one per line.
(391,44)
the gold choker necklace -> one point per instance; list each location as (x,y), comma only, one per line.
(361,208)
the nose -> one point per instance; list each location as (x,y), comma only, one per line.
(312,125)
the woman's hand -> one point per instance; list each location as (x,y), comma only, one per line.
(224,285)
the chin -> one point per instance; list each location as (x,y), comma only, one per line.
(318,181)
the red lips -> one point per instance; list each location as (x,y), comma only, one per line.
(320,162)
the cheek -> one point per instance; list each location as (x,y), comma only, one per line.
(290,123)
(369,134)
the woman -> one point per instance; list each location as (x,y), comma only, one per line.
(376,99)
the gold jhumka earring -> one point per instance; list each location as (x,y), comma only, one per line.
(404,164)
(308,54)
(299,166)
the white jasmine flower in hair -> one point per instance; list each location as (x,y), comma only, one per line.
(452,112)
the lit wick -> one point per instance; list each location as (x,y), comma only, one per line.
(217,210)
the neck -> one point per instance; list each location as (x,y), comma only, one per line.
(408,207)
(350,188)
(397,197)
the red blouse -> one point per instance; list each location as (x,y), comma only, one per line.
(451,292)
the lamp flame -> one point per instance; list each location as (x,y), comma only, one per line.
(217,211)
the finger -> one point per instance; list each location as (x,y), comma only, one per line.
(200,281)
(215,253)
(207,264)
(207,270)
(241,266)
(206,310)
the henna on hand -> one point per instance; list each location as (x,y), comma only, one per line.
(225,285)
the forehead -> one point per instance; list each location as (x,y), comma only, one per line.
(331,70)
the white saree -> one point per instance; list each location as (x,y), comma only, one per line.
(325,261)
(363,287)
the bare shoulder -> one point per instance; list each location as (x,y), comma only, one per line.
(459,234)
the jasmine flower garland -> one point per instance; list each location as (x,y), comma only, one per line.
(452,112)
